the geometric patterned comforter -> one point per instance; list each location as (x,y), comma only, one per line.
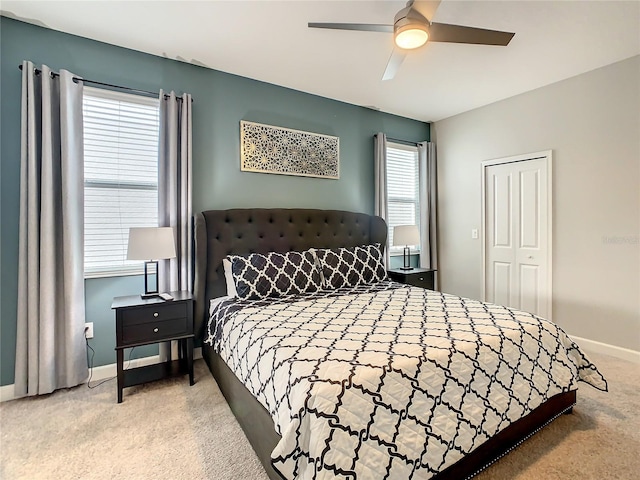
(388,380)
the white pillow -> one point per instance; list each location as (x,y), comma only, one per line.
(228,276)
(213,303)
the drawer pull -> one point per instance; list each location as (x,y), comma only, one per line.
(421,279)
(155,330)
(155,314)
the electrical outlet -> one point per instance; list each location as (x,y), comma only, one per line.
(88,330)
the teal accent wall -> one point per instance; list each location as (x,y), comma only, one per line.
(221,100)
(396,261)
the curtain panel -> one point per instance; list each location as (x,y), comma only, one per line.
(175,194)
(381,207)
(50,342)
(175,188)
(428,204)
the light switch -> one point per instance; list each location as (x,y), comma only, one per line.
(474,233)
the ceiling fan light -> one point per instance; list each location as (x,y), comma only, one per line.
(411,36)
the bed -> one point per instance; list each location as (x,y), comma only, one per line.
(297,433)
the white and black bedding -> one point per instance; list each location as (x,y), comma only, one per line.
(384,380)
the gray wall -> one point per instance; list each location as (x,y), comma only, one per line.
(592,124)
(221,101)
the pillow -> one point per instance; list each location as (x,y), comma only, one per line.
(228,277)
(275,274)
(213,303)
(349,267)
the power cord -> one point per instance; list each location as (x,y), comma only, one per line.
(90,365)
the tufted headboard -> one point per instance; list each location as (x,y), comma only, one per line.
(219,233)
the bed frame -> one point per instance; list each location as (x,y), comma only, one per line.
(239,231)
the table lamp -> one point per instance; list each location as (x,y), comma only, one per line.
(406,235)
(151,244)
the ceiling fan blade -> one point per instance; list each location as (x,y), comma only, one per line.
(427,8)
(363,27)
(396,59)
(443,32)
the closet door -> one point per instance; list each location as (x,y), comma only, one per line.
(517,230)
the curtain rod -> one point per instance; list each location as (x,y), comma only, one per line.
(95,82)
(404,142)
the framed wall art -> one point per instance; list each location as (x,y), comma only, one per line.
(284,151)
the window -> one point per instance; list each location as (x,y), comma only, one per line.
(402,189)
(120,177)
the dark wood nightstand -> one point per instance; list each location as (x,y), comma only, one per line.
(418,277)
(144,321)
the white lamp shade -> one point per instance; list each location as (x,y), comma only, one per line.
(406,235)
(151,243)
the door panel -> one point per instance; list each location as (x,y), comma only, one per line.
(529,209)
(516,240)
(501,283)
(529,286)
(502,201)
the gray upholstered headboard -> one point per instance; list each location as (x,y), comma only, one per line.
(219,233)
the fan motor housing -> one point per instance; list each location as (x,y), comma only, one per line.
(409,16)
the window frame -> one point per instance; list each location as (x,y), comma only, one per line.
(133,267)
(398,250)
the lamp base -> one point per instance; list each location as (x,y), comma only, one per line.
(146,296)
(149,291)
(406,259)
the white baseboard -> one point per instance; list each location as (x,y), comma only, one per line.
(108,371)
(7,392)
(605,348)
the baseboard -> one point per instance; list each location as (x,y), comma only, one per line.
(108,371)
(605,348)
(7,392)
(103,372)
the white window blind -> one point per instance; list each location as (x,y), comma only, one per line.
(120,176)
(402,188)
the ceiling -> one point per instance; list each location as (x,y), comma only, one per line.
(269,41)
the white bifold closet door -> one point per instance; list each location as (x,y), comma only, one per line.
(517,236)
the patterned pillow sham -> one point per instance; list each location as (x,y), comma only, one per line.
(274,274)
(350,267)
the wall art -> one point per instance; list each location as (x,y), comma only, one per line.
(284,151)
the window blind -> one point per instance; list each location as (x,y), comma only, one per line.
(402,188)
(120,176)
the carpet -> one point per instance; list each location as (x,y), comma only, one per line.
(168,429)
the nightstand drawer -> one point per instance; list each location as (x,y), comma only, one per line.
(422,280)
(154,331)
(154,313)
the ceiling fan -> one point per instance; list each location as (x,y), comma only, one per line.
(412,27)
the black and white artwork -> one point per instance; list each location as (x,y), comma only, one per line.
(284,151)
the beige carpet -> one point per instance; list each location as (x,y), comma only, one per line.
(170,430)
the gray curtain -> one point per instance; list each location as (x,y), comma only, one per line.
(50,343)
(428,206)
(174,192)
(381,203)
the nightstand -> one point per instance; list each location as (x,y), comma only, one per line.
(418,277)
(153,320)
